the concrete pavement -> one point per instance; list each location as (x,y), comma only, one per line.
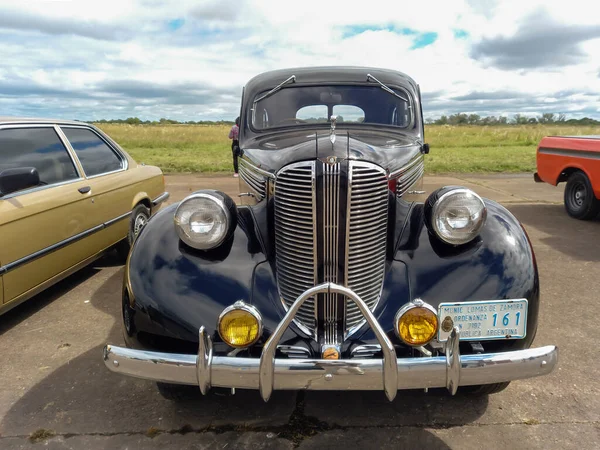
(56,392)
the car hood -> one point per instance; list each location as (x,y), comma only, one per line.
(274,151)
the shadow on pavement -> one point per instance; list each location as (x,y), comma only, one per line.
(83,397)
(576,238)
(29,307)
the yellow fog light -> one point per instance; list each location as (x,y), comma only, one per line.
(416,323)
(240,325)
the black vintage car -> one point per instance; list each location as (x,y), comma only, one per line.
(332,275)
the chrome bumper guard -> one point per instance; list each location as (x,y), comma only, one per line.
(389,374)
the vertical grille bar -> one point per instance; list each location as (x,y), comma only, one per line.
(331,217)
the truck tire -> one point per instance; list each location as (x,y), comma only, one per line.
(580,201)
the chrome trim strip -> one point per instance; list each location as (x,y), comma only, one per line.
(293,351)
(568,152)
(365,351)
(418,158)
(254,167)
(161,198)
(43,252)
(117,219)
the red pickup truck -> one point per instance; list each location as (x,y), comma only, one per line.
(576,160)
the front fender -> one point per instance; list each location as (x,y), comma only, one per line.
(499,264)
(174,288)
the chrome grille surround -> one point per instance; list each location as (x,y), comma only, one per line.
(366,238)
(363,244)
(296,238)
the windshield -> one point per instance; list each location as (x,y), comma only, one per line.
(316,104)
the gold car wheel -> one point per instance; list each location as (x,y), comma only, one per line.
(140,222)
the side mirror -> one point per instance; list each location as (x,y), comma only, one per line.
(13,180)
(425,149)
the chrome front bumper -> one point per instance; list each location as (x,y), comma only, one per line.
(389,374)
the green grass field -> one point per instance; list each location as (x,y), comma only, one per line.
(454,149)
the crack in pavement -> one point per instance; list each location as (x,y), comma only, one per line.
(298,429)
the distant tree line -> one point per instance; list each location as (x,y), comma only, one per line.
(163,121)
(517,119)
(453,119)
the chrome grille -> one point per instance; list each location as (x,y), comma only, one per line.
(331,218)
(366,236)
(363,244)
(295,236)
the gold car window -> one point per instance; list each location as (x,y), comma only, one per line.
(95,155)
(40,148)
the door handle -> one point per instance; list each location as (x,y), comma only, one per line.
(85,189)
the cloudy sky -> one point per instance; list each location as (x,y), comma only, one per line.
(188,60)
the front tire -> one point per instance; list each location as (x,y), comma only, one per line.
(178,392)
(139,218)
(580,201)
(483,389)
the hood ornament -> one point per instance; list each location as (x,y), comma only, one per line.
(333,120)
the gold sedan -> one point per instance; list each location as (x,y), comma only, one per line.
(68,193)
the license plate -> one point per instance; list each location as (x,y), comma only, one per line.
(485,320)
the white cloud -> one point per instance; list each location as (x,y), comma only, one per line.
(188,60)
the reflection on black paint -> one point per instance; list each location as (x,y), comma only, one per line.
(181,290)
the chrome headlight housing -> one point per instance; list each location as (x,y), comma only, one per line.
(455,214)
(204,219)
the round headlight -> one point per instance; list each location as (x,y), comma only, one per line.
(203,220)
(240,325)
(458,215)
(416,323)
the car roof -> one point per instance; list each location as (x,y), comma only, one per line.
(327,74)
(6,120)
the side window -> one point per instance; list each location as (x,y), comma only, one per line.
(40,148)
(95,156)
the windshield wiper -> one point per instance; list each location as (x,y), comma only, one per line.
(291,79)
(386,89)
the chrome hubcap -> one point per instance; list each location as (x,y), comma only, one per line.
(139,223)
